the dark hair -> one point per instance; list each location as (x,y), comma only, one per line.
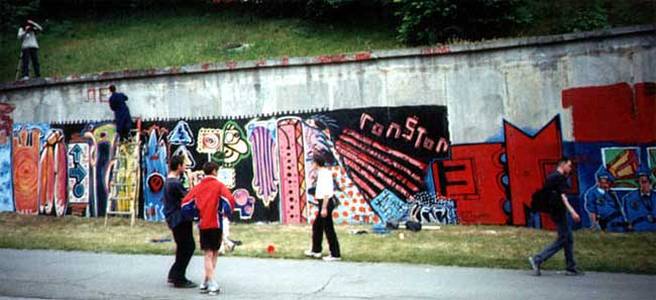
(175,162)
(112,88)
(564,160)
(210,167)
(323,158)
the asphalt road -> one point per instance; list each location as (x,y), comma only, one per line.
(81,275)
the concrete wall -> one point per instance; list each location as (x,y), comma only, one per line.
(451,134)
(517,80)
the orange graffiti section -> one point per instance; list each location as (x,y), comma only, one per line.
(26,170)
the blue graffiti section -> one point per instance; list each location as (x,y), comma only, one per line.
(426,208)
(390,207)
(6,188)
(77,172)
(155,165)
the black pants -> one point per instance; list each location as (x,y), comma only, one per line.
(326,225)
(184,250)
(33,55)
(565,241)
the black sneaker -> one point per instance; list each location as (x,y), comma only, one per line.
(535,267)
(574,272)
(186,284)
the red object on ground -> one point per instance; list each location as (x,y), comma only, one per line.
(271,249)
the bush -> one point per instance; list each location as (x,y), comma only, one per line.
(13,13)
(430,22)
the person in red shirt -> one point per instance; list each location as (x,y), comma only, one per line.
(210,196)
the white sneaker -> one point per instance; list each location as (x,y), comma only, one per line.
(213,288)
(331,258)
(203,287)
(25,78)
(309,253)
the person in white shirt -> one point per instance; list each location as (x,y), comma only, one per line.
(29,48)
(324,194)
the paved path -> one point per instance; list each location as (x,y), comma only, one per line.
(82,275)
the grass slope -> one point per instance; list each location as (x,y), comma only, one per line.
(162,39)
(473,246)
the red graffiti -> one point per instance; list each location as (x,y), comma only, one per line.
(6,122)
(366,55)
(615,112)
(292,171)
(25,149)
(325,59)
(436,50)
(98,95)
(473,178)
(529,160)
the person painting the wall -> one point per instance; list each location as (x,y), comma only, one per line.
(604,206)
(29,48)
(640,205)
(324,193)
(208,196)
(122,118)
(182,229)
(557,184)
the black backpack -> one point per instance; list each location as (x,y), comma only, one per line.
(541,200)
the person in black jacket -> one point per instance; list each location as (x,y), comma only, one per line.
(122,117)
(557,184)
(181,228)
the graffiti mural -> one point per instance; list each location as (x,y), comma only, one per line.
(103,139)
(79,185)
(262,136)
(52,190)
(292,171)
(25,154)
(390,164)
(6,186)
(155,170)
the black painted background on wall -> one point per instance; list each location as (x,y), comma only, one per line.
(433,118)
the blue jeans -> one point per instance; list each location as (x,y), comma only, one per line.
(565,241)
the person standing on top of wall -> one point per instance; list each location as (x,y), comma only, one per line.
(556,184)
(29,48)
(324,193)
(640,205)
(122,117)
(208,197)
(604,206)
(181,228)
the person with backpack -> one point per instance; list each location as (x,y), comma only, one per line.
(181,228)
(324,192)
(208,197)
(555,187)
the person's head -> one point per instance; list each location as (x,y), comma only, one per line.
(565,165)
(176,164)
(604,183)
(112,88)
(210,168)
(645,183)
(322,157)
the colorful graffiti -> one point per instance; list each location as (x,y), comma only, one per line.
(52,188)
(79,185)
(6,186)
(155,158)
(390,164)
(262,136)
(25,155)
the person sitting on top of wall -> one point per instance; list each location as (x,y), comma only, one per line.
(122,117)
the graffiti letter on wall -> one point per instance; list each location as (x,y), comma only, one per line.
(244,204)
(78,177)
(156,170)
(52,190)
(292,170)
(26,147)
(265,164)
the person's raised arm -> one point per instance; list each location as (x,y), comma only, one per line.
(35,25)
